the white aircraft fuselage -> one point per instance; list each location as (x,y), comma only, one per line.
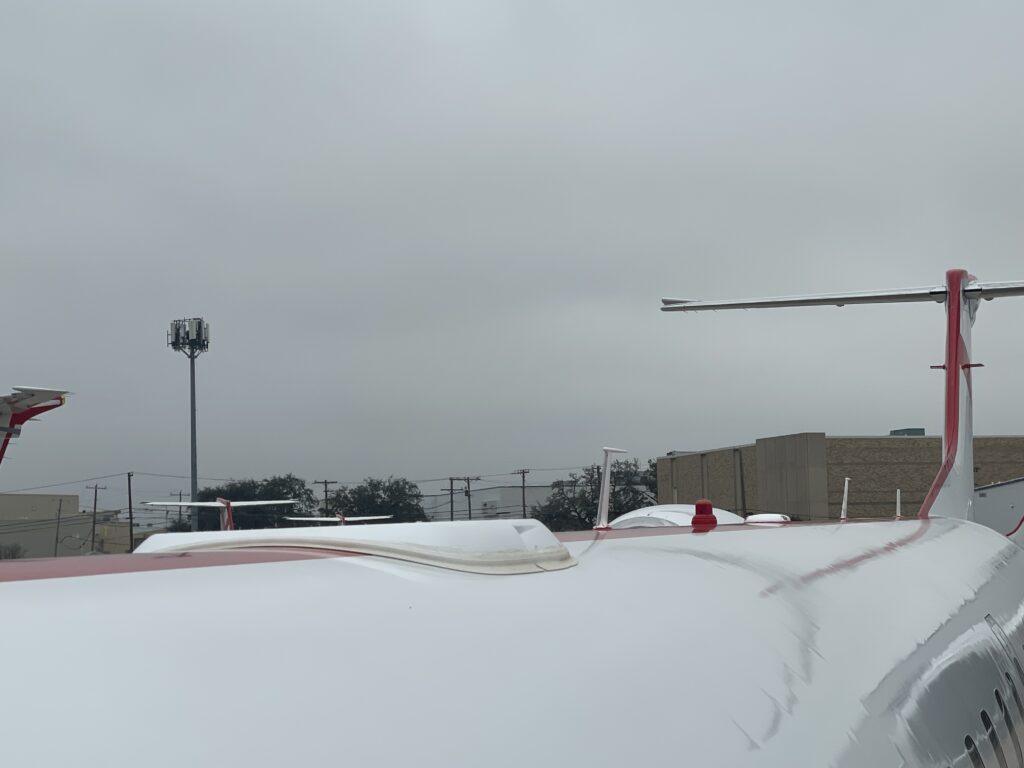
(833,644)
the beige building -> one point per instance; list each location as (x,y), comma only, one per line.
(53,525)
(112,537)
(802,474)
(43,525)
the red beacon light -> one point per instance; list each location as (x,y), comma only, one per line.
(704,518)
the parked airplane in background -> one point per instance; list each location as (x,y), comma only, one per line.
(339,519)
(842,643)
(227,521)
(24,404)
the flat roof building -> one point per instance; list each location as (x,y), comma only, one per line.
(43,525)
(803,474)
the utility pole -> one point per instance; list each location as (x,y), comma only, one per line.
(95,492)
(131,516)
(325,483)
(56,536)
(171,494)
(523,473)
(467,491)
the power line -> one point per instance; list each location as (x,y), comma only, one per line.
(69,482)
(185,477)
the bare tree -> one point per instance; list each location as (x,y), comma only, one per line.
(11,551)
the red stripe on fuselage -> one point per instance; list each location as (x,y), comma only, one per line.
(102,565)
(850,562)
(1017,526)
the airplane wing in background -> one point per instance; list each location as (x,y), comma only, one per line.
(218,503)
(339,519)
(227,521)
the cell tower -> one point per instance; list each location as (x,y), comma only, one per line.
(192,337)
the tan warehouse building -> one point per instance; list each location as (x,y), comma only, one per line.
(53,525)
(803,474)
(43,525)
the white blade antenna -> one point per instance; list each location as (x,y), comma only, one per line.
(606,483)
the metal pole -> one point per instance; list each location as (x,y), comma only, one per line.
(131,516)
(195,470)
(92,538)
(469,499)
(451,498)
(56,536)
(522,473)
(95,492)
(325,483)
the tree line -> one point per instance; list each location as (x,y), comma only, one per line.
(572,504)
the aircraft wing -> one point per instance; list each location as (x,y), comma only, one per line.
(263,503)
(218,503)
(183,504)
(338,519)
(974,290)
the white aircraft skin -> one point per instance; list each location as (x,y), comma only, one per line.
(852,644)
(843,644)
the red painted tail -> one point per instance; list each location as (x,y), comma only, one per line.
(952,491)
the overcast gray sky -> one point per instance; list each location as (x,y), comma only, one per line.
(431,237)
